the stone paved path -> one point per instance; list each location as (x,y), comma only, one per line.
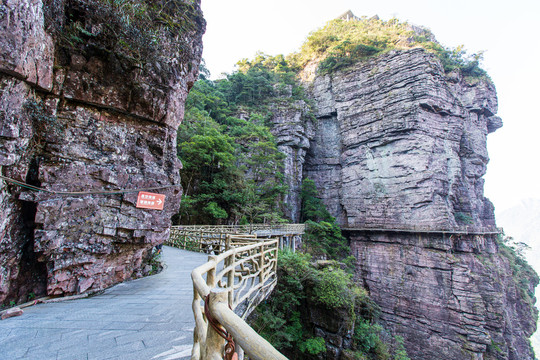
(144,319)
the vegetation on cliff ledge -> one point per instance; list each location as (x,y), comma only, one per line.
(342,43)
(136,30)
(310,299)
(524,276)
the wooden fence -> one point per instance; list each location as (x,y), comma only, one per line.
(244,273)
(210,239)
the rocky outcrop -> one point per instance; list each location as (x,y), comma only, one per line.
(398,154)
(400,144)
(449,296)
(75,115)
(293,130)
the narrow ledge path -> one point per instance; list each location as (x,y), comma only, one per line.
(143,319)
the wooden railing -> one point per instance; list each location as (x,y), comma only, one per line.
(210,239)
(244,274)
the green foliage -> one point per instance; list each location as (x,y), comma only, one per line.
(322,238)
(210,178)
(278,319)
(312,208)
(45,126)
(463,218)
(524,276)
(133,29)
(284,319)
(365,338)
(342,43)
(313,346)
(368,341)
(332,288)
(233,170)
(399,349)
(155,262)
(458,58)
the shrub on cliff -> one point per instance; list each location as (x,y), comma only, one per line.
(524,276)
(305,298)
(133,29)
(323,237)
(342,43)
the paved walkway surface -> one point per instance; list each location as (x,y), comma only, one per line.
(144,319)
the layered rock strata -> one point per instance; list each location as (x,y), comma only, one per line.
(449,296)
(76,116)
(400,144)
(293,130)
(398,154)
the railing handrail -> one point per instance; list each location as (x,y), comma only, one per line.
(258,259)
(245,229)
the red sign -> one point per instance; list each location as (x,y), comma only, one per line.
(147,200)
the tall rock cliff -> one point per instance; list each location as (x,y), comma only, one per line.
(293,129)
(403,144)
(92,93)
(398,154)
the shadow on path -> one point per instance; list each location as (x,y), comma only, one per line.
(143,319)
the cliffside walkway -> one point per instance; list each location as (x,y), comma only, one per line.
(463,230)
(153,317)
(144,319)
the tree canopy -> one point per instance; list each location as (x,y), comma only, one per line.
(233,171)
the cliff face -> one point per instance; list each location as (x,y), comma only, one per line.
(75,115)
(450,297)
(400,145)
(293,130)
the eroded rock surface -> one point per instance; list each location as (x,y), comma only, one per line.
(400,144)
(449,296)
(76,116)
(293,130)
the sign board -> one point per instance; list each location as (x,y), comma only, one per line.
(147,200)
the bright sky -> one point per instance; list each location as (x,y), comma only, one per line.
(508,31)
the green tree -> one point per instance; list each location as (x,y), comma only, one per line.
(313,208)
(210,179)
(233,170)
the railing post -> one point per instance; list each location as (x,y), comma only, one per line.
(228,242)
(261,263)
(215,344)
(276,252)
(230,261)
(211,274)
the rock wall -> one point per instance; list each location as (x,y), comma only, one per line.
(450,297)
(400,145)
(293,130)
(76,116)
